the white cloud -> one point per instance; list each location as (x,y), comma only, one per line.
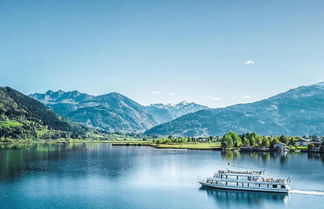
(249,62)
(213,98)
(171,94)
(155,92)
(247,97)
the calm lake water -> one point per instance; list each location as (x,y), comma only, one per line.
(85,176)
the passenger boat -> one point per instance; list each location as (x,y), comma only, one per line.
(247,180)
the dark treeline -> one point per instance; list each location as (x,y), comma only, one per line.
(232,140)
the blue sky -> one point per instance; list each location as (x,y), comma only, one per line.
(163,51)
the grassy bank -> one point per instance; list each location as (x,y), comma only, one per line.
(196,146)
(129,142)
(192,146)
(185,145)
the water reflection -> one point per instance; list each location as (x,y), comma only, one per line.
(282,157)
(44,147)
(63,159)
(17,159)
(316,156)
(239,199)
(99,175)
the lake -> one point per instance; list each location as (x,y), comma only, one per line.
(99,175)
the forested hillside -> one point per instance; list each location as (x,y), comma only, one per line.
(24,117)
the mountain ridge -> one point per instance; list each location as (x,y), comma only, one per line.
(112,111)
(297,111)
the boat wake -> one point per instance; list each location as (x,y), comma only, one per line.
(321,193)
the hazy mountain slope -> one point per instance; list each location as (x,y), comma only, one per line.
(55,97)
(22,116)
(112,112)
(61,102)
(296,112)
(165,113)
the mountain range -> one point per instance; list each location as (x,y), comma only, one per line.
(299,111)
(112,112)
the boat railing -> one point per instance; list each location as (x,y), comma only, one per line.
(240,172)
(267,180)
(272,180)
(258,179)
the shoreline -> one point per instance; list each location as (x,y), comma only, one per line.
(185,146)
(166,146)
(188,146)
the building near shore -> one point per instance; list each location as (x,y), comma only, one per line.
(302,142)
(280,147)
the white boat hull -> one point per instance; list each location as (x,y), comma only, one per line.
(204,184)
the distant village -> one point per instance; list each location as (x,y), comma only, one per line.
(282,143)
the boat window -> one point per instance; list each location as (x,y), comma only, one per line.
(283,186)
(274,186)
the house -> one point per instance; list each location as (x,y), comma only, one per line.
(302,143)
(281,147)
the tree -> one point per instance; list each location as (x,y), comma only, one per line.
(227,142)
(231,140)
(246,141)
(252,141)
(258,140)
(284,139)
(291,142)
(210,139)
(310,147)
(265,142)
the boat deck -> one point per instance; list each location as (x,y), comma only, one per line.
(255,189)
